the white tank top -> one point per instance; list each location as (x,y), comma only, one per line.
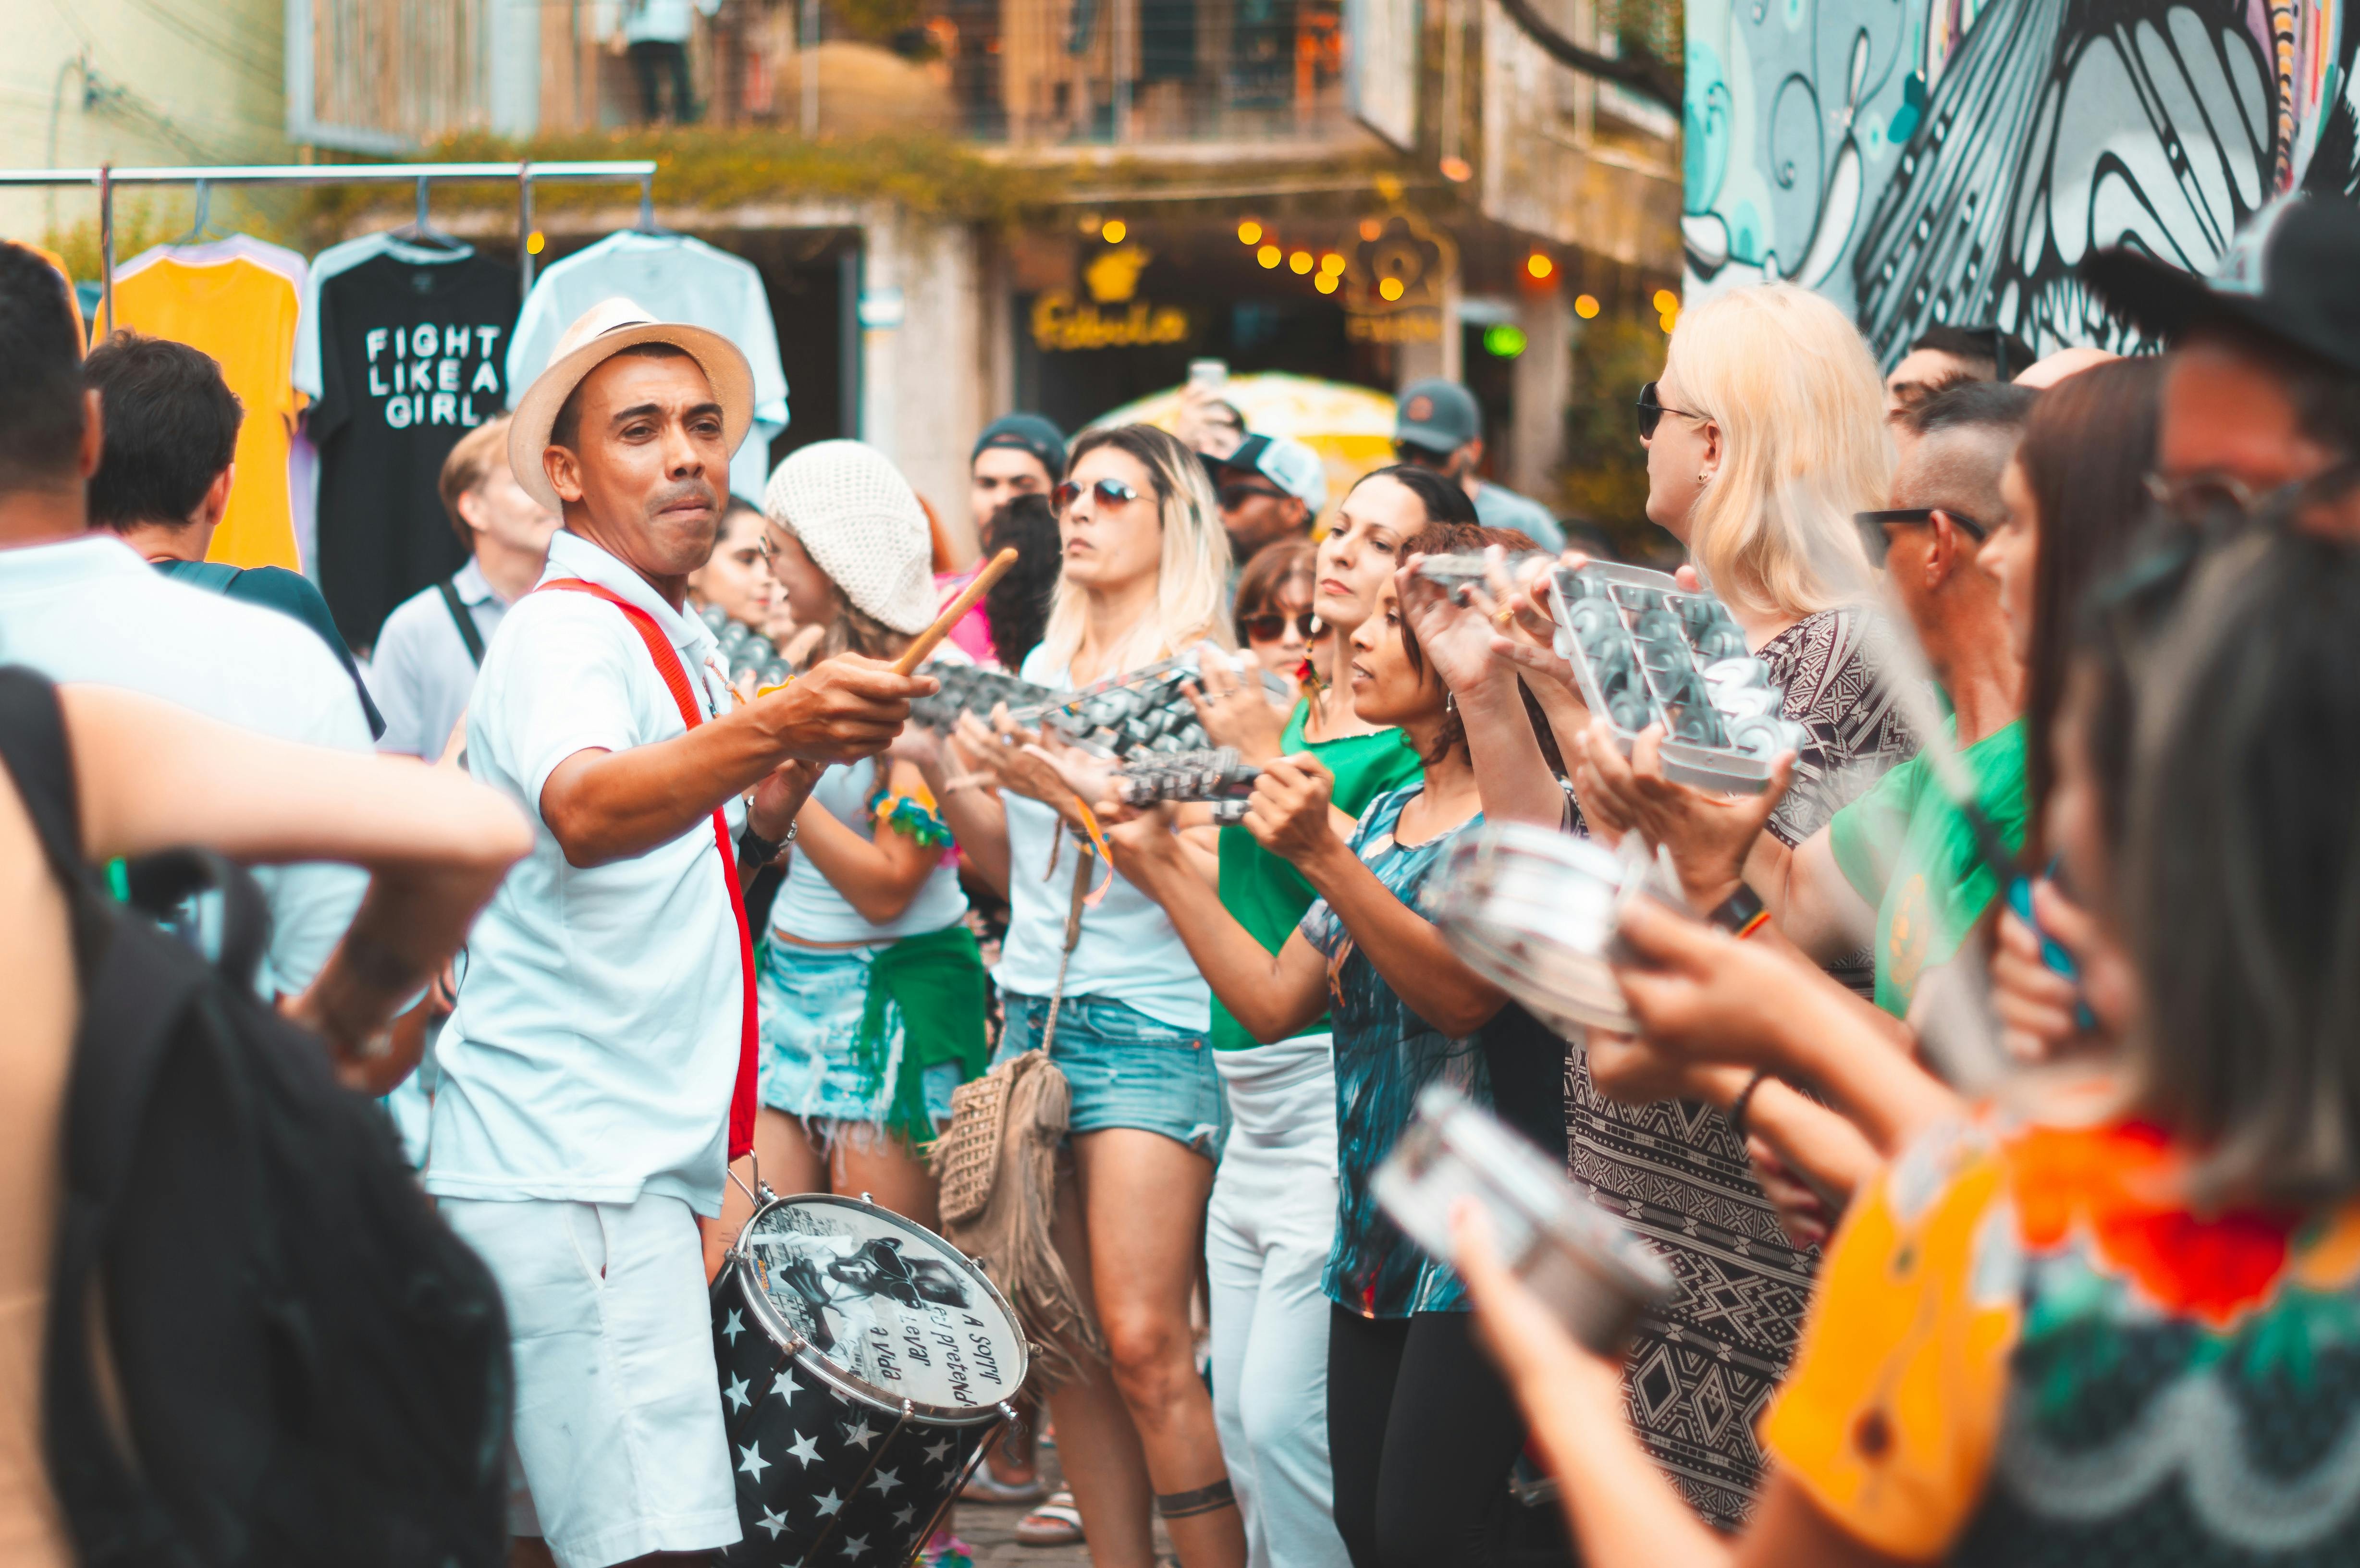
(809,906)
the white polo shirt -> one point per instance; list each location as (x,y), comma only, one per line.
(89,609)
(595,1047)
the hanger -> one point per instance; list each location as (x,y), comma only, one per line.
(647,224)
(201,229)
(421,230)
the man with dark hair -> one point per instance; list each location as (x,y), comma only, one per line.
(598,1072)
(1438,425)
(164,480)
(1944,357)
(76,604)
(1898,866)
(2262,386)
(1271,488)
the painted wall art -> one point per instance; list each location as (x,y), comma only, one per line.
(1951,161)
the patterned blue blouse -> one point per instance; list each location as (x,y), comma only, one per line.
(1384,1055)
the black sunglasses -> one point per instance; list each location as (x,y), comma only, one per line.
(1651,412)
(1234,496)
(1110,491)
(1877,542)
(1271,625)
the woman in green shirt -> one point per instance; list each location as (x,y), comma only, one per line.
(1272,1216)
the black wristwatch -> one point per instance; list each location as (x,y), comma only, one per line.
(1741,914)
(755,850)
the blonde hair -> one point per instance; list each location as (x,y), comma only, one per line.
(1192,572)
(466,467)
(1803,440)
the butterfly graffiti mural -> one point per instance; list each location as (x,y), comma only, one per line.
(1933,161)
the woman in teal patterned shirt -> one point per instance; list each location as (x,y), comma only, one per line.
(1422,1431)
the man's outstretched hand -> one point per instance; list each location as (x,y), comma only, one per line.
(843,709)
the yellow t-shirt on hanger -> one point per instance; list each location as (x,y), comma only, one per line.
(238,301)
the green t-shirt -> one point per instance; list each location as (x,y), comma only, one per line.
(1907,850)
(1267,895)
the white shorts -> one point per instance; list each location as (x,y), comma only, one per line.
(618,1427)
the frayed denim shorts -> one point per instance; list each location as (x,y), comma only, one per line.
(1126,1069)
(812,1000)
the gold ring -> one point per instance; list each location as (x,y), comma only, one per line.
(1505,616)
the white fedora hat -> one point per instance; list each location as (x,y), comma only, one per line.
(599,333)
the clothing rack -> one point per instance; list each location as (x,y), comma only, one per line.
(525,172)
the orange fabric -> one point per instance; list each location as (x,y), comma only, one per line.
(2116,1185)
(1892,1409)
(243,314)
(675,679)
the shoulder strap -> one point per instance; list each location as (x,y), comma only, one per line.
(462,620)
(675,679)
(33,747)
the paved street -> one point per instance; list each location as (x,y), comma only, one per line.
(991,1531)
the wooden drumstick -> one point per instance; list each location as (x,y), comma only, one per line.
(916,654)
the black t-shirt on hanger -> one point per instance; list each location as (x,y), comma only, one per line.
(412,356)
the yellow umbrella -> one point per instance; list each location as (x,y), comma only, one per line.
(1352,427)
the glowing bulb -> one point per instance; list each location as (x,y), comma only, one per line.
(1113,230)
(1270,256)
(1539,264)
(1249,233)
(535,242)
(1300,261)
(1325,283)
(1585,306)
(1665,302)
(1666,320)
(1331,262)
(1390,290)
(1372,227)
(1504,340)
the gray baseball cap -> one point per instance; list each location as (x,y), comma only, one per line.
(1438,415)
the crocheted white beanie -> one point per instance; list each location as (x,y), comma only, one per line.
(860,523)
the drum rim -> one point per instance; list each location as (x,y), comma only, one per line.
(811,1359)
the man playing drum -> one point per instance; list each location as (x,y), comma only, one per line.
(598,1071)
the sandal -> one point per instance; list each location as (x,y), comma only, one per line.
(984,1486)
(1055,1523)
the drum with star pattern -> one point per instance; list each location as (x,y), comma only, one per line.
(865,1365)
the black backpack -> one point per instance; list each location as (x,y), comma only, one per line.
(312,1369)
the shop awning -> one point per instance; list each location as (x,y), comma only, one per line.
(1352,427)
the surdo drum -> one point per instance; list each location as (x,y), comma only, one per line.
(866,1368)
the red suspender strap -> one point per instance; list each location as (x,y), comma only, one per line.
(675,678)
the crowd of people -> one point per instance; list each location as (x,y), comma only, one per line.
(1992,1089)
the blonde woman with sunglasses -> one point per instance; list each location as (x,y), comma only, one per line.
(1145,565)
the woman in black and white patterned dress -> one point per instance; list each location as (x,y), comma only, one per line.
(1765,433)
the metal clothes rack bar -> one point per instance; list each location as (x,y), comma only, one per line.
(526,173)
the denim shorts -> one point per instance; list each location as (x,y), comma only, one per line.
(812,1000)
(1127,1069)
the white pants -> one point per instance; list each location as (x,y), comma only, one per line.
(619,1428)
(1266,1239)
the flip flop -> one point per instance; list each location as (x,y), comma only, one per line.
(1055,1523)
(983,1487)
